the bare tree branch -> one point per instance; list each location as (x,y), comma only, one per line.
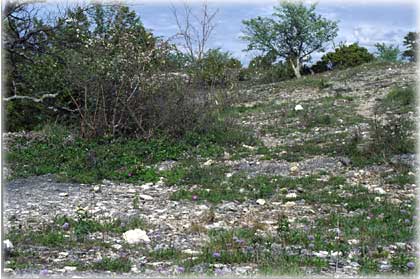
(195,30)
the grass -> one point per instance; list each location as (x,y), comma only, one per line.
(399,100)
(115,265)
(127,160)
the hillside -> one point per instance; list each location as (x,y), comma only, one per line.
(322,183)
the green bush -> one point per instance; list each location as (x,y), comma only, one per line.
(264,69)
(216,68)
(343,57)
(399,99)
(410,42)
(388,53)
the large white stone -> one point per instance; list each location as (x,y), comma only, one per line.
(146,197)
(261,201)
(291,196)
(135,236)
(321,254)
(7,244)
(298,107)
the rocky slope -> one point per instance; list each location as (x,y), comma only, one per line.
(301,125)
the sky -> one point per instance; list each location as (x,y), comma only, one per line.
(367,24)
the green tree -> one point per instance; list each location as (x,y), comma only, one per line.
(411,42)
(293,33)
(389,53)
(343,57)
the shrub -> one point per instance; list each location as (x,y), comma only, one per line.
(343,57)
(111,77)
(411,42)
(265,69)
(399,99)
(216,68)
(388,53)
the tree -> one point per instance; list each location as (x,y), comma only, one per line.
(293,33)
(389,53)
(411,42)
(344,56)
(195,30)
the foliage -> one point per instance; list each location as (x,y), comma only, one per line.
(344,56)
(103,72)
(216,68)
(265,69)
(293,33)
(389,53)
(411,43)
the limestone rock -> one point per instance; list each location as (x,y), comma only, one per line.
(135,236)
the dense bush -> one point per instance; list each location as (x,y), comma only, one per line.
(216,68)
(266,69)
(343,57)
(411,43)
(105,72)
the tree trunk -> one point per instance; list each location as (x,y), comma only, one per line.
(296,68)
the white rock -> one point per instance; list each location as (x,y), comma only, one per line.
(298,107)
(377,199)
(117,246)
(190,252)
(63,194)
(96,188)
(261,201)
(336,253)
(400,245)
(7,244)
(216,225)
(294,168)
(289,204)
(353,241)
(379,191)
(146,197)
(248,147)
(291,196)
(208,162)
(70,268)
(63,254)
(146,186)
(135,236)
(321,254)
(134,269)
(229,174)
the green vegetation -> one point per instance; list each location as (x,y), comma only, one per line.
(116,265)
(77,159)
(292,33)
(399,100)
(104,98)
(388,53)
(345,56)
(411,43)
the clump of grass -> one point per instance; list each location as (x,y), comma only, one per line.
(399,99)
(115,265)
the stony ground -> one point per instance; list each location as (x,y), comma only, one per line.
(291,204)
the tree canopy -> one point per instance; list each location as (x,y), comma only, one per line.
(293,33)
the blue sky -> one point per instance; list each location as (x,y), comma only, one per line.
(364,23)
